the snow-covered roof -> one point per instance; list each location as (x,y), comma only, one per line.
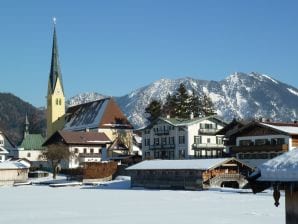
(12,165)
(281,168)
(193,164)
(138,139)
(288,129)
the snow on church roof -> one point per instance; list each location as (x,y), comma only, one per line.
(193,164)
(281,168)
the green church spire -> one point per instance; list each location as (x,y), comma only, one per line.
(55,72)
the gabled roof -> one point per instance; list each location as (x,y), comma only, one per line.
(193,164)
(187,122)
(12,165)
(32,142)
(103,113)
(287,129)
(78,138)
(233,126)
(8,139)
(118,145)
(282,168)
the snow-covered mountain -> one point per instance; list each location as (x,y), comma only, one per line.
(240,95)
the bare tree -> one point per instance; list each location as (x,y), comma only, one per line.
(55,154)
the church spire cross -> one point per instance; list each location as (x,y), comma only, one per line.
(55,73)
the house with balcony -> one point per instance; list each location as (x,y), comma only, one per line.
(174,138)
(84,146)
(257,142)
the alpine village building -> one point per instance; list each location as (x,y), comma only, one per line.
(113,132)
(174,138)
(256,142)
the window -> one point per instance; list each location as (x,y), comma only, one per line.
(1,158)
(76,150)
(147,155)
(260,141)
(280,141)
(147,131)
(1,142)
(91,151)
(57,102)
(245,142)
(156,141)
(171,140)
(156,154)
(218,140)
(147,141)
(208,140)
(85,150)
(163,141)
(198,139)
(28,154)
(182,139)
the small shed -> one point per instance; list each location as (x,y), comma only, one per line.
(280,173)
(185,174)
(12,172)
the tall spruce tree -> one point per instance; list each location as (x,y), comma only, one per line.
(154,110)
(182,101)
(207,105)
(169,106)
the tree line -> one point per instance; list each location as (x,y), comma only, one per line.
(181,104)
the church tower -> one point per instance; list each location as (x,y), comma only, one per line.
(55,96)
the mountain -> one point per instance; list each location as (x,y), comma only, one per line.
(12,117)
(240,95)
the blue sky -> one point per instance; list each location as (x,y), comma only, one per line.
(114,47)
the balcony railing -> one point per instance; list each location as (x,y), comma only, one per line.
(207,130)
(162,132)
(207,145)
(164,146)
(261,148)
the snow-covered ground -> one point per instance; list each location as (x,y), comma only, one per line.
(43,204)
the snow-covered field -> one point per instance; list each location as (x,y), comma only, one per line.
(43,204)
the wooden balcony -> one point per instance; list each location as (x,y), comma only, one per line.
(162,147)
(261,148)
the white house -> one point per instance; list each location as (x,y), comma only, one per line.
(173,138)
(7,148)
(85,146)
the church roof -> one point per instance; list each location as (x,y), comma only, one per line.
(55,72)
(32,142)
(104,113)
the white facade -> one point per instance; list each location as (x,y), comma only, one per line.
(7,149)
(83,154)
(177,139)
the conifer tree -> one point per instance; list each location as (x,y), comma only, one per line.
(182,101)
(207,105)
(154,110)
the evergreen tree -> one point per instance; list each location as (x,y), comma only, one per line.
(154,110)
(182,101)
(195,104)
(168,108)
(207,105)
